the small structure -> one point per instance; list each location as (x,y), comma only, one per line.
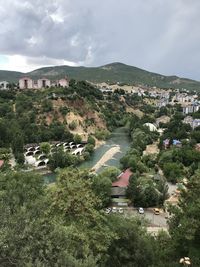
(26,83)
(4,85)
(176,143)
(151,127)
(118,191)
(1,163)
(197,147)
(166,143)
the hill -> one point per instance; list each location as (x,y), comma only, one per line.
(111,73)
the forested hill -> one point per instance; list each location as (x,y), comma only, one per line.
(112,73)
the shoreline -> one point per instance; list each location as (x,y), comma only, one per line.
(107,156)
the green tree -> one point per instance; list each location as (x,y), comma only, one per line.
(77,139)
(101,185)
(45,148)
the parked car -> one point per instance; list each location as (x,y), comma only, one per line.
(156,211)
(141,210)
(120,210)
(114,209)
(108,210)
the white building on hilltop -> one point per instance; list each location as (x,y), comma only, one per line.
(28,83)
(43,83)
(4,85)
(63,82)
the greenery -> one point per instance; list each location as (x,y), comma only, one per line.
(112,73)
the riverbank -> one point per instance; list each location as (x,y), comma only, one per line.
(106,157)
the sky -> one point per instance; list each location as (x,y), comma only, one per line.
(161,36)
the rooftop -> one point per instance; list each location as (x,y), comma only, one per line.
(123,179)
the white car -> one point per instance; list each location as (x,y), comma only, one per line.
(141,210)
(120,210)
(114,209)
(108,210)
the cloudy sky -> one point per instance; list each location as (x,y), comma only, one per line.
(158,35)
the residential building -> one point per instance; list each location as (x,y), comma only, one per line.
(26,83)
(4,85)
(191,108)
(163,102)
(193,122)
(118,191)
(63,82)
(43,83)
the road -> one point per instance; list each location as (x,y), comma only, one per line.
(149,216)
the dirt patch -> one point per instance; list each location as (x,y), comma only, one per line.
(151,149)
(137,112)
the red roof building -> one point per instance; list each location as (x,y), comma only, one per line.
(123,179)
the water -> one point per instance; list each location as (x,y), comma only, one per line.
(119,137)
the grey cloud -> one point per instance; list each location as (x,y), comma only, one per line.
(161,36)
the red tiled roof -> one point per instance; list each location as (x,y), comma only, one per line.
(1,163)
(123,179)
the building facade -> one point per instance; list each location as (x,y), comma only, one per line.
(43,83)
(28,83)
(4,85)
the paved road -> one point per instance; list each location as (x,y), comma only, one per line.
(149,216)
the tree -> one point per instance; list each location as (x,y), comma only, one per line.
(143,191)
(62,159)
(185,222)
(45,147)
(101,185)
(133,246)
(77,139)
(91,140)
(173,171)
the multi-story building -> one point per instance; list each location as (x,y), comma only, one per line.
(28,83)
(43,83)
(191,108)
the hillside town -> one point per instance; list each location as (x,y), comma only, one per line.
(99,133)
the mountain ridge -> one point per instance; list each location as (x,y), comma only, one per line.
(115,72)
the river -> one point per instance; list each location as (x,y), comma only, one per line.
(119,138)
(118,142)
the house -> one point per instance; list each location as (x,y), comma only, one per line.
(26,83)
(4,85)
(63,82)
(193,122)
(118,191)
(43,83)
(166,143)
(163,102)
(191,108)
